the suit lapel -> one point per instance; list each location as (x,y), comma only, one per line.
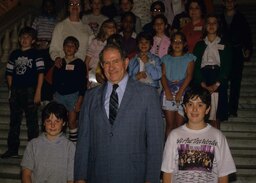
(101,103)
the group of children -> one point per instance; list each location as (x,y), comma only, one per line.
(195,145)
(49,157)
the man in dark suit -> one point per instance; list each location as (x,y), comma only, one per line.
(128,148)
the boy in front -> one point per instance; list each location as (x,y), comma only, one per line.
(197,152)
(50,157)
(25,74)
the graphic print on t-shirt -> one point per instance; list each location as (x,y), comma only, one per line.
(22,64)
(195,160)
(195,157)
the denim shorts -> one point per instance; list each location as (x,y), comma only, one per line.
(172,105)
(68,101)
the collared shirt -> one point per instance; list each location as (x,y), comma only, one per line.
(211,54)
(120,92)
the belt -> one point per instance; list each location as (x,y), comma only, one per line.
(211,67)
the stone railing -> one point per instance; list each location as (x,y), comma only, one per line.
(7,5)
(10,25)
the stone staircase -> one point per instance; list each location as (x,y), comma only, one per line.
(240,131)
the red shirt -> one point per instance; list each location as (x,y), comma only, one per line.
(193,34)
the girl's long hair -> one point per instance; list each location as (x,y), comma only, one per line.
(102,32)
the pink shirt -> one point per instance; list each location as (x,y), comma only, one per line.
(160,47)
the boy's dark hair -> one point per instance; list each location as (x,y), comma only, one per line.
(58,110)
(159,3)
(200,3)
(131,1)
(183,39)
(28,30)
(116,39)
(161,16)
(144,35)
(44,4)
(224,5)
(203,94)
(129,14)
(71,39)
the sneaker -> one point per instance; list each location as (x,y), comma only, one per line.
(9,154)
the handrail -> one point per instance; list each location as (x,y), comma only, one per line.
(13,16)
(10,24)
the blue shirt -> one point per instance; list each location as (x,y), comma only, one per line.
(176,67)
(120,92)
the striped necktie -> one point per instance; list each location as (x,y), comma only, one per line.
(113,105)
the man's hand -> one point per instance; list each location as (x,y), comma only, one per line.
(141,75)
(144,58)
(168,95)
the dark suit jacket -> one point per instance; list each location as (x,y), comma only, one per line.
(130,151)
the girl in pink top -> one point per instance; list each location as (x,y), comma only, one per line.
(161,41)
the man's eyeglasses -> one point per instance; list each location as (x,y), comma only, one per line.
(177,42)
(74,4)
(157,10)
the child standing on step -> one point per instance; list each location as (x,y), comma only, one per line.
(212,68)
(50,157)
(196,151)
(69,83)
(145,66)
(237,32)
(161,41)
(25,75)
(177,72)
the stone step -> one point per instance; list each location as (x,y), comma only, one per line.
(247,93)
(240,134)
(243,175)
(3,149)
(247,100)
(10,166)
(245,161)
(247,113)
(242,119)
(229,126)
(242,143)
(242,151)
(246,106)
(8,180)
(245,179)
